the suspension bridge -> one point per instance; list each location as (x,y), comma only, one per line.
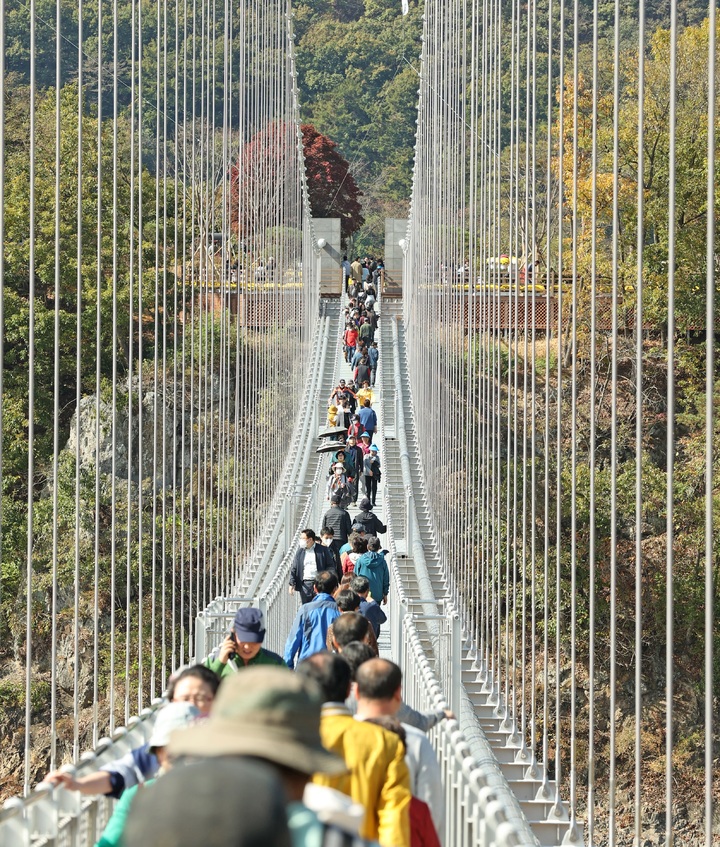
(171,316)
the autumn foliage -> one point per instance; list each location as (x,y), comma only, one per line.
(261,181)
(265,177)
(332,189)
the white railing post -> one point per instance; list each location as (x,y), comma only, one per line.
(200,637)
(409,512)
(455,659)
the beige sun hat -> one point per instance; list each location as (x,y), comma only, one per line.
(267,712)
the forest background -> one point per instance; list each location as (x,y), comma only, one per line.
(358,65)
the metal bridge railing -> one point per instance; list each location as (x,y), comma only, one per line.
(269,587)
(55,817)
(481,808)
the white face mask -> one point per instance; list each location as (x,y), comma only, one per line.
(327,542)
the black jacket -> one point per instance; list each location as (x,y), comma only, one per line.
(334,551)
(363,374)
(338,520)
(325,562)
(371,523)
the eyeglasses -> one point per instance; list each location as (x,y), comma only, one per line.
(198,699)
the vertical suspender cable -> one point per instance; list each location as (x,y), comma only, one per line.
(528,282)
(157,336)
(670,445)
(573,423)
(612,799)
(98,374)
(140,375)
(639,414)
(550,283)
(559,400)
(593,432)
(31,408)
(195,288)
(709,426)
(56,389)
(78,384)
(115,342)
(178,447)
(164,366)
(131,353)
(2,281)
(186,399)
(533,396)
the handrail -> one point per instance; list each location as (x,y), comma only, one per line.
(491,807)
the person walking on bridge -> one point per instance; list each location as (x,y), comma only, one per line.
(362,374)
(371,474)
(378,776)
(373,566)
(373,357)
(379,692)
(350,337)
(347,271)
(371,523)
(309,630)
(310,558)
(356,271)
(338,519)
(368,418)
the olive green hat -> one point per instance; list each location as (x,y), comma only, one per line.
(267,712)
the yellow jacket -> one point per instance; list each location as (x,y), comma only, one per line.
(364,394)
(379,779)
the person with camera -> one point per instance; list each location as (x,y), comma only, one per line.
(242,647)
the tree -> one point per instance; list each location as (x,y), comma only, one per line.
(332,188)
(262,183)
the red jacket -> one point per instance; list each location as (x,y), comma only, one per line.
(351,336)
(422,828)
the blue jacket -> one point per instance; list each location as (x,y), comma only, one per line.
(373,355)
(309,629)
(373,566)
(373,612)
(368,418)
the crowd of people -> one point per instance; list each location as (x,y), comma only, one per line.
(312,748)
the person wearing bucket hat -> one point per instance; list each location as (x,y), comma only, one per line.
(242,647)
(339,484)
(175,717)
(272,715)
(365,443)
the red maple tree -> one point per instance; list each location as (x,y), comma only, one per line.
(265,177)
(332,189)
(261,182)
